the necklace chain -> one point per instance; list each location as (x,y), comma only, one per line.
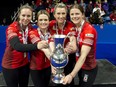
(80,30)
(61,29)
(43,37)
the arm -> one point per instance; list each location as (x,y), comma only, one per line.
(15,44)
(83,54)
(48,51)
(71,46)
(73,43)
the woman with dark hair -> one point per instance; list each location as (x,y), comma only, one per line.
(40,68)
(86,65)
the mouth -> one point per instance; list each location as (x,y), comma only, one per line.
(43,24)
(60,19)
(75,19)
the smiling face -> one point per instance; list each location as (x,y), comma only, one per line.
(77,14)
(25,16)
(43,21)
(60,15)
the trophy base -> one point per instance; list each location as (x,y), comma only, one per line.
(58,78)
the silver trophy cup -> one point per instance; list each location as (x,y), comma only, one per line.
(59,59)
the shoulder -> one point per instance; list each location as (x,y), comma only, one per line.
(52,22)
(33,31)
(69,23)
(12,27)
(33,34)
(89,29)
(52,25)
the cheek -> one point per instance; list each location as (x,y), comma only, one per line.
(64,16)
(29,19)
(48,24)
(38,23)
(71,18)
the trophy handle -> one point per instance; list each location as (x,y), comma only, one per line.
(65,40)
(67,36)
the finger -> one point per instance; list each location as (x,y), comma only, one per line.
(64,82)
(69,82)
(53,71)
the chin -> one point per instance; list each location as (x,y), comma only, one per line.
(43,27)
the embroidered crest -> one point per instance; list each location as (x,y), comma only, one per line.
(85,78)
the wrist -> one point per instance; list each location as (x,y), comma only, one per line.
(71,75)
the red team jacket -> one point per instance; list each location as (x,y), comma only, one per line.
(38,60)
(13,59)
(88,37)
(68,28)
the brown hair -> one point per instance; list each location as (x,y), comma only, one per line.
(78,7)
(23,7)
(43,12)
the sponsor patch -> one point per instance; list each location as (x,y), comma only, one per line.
(89,35)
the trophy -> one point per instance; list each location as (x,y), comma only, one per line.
(59,59)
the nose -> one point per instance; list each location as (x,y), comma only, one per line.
(43,21)
(74,15)
(60,15)
(25,17)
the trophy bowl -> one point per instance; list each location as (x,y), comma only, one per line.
(59,59)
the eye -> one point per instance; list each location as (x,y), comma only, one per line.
(72,14)
(28,15)
(76,13)
(40,19)
(58,13)
(45,19)
(63,13)
(23,15)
